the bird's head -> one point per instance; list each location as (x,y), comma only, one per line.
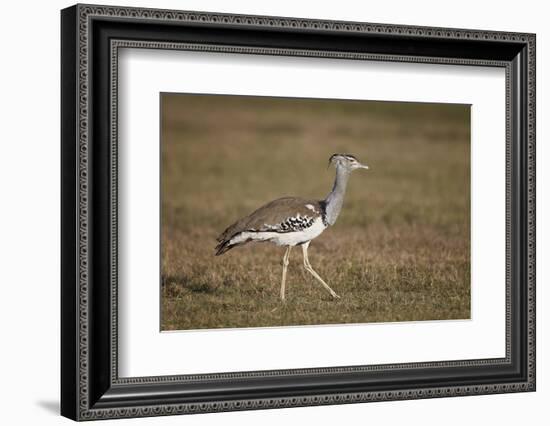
(346,161)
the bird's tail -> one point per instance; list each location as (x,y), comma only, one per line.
(224,246)
(229,243)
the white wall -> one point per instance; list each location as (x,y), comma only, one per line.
(29,212)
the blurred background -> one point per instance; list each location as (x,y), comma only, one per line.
(400,250)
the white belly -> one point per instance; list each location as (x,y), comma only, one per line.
(283,239)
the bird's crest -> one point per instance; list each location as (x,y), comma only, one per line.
(346,156)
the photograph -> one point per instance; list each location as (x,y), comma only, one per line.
(280,212)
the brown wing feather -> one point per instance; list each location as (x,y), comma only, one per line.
(272,214)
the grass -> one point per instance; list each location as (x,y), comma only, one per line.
(400,250)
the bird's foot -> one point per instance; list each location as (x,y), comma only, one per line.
(335,296)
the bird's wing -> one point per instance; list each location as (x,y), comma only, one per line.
(282,215)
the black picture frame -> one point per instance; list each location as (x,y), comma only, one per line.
(90,386)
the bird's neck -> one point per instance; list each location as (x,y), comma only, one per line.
(335,200)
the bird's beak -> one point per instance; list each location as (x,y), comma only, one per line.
(363,166)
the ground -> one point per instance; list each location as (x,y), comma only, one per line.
(400,250)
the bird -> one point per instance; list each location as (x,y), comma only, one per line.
(293,221)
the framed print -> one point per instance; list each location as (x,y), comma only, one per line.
(263,212)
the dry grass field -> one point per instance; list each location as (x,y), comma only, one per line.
(400,250)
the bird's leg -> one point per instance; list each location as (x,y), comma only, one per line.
(309,268)
(285,266)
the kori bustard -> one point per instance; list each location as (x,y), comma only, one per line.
(292,221)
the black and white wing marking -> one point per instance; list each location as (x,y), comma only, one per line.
(290,224)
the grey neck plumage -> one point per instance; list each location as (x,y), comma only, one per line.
(335,200)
